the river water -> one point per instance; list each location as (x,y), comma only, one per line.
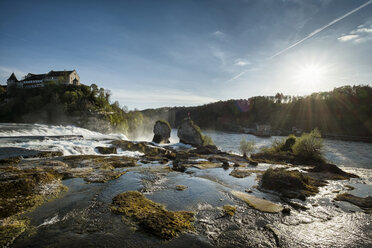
(81,218)
(74,140)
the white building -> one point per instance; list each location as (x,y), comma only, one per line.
(38,80)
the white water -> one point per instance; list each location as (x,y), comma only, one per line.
(342,153)
(77,141)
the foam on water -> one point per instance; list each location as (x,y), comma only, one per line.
(76,141)
(17,129)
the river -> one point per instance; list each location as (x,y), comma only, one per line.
(82,218)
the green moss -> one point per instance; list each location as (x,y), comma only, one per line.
(181,187)
(229,210)
(290,183)
(10,229)
(165,122)
(106,150)
(152,216)
(20,191)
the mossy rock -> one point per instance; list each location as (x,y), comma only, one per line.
(240,173)
(20,189)
(153,217)
(10,229)
(364,203)
(229,210)
(290,183)
(181,187)
(106,150)
(331,172)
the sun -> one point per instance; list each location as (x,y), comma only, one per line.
(310,74)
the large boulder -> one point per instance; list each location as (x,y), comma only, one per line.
(189,133)
(162,132)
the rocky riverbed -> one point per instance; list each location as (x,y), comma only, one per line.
(182,197)
(142,194)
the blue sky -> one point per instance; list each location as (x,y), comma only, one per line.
(181,53)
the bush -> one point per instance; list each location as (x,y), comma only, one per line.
(246,147)
(207,141)
(288,144)
(309,146)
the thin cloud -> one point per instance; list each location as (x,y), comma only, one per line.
(322,28)
(242,62)
(219,34)
(348,37)
(361,34)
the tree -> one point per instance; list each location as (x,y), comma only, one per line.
(246,147)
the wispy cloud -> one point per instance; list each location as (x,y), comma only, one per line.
(348,37)
(242,62)
(361,34)
(322,28)
(219,34)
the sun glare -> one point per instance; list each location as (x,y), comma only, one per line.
(310,74)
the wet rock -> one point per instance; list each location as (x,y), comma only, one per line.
(206,150)
(189,133)
(178,166)
(290,183)
(273,158)
(96,161)
(21,190)
(225,165)
(162,131)
(10,229)
(181,187)
(153,217)
(258,203)
(14,153)
(286,211)
(364,203)
(254,163)
(331,172)
(102,176)
(229,210)
(240,173)
(106,150)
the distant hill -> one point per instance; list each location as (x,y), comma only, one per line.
(345,110)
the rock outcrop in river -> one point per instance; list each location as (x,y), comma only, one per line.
(162,131)
(189,133)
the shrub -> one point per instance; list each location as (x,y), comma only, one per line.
(207,141)
(309,146)
(288,144)
(246,147)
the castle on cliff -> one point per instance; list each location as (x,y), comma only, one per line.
(39,80)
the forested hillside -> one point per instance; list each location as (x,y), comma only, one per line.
(346,110)
(85,106)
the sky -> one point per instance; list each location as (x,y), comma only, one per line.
(161,53)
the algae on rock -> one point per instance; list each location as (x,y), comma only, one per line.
(152,216)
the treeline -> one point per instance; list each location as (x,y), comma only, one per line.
(85,106)
(345,110)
